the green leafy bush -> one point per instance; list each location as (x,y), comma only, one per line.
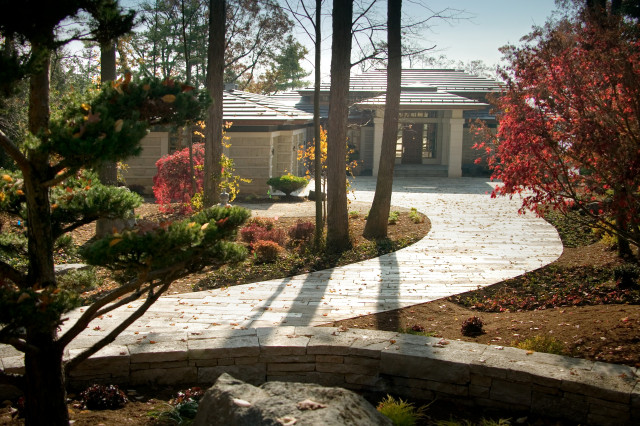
(545,344)
(80,280)
(394,216)
(415,216)
(266,251)
(626,276)
(354,214)
(400,412)
(287,183)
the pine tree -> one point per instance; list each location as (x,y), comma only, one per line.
(52,191)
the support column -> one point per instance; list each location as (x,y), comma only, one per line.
(456,131)
(377,140)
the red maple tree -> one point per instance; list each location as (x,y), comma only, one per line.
(569,132)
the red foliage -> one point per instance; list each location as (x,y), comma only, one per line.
(266,251)
(302,231)
(173,182)
(254,232)
(569,133)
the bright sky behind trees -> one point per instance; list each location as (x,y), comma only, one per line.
(486,26)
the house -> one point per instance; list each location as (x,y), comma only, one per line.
(436,109)
(264,137)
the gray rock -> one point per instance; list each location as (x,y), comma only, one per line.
(235,403)
(64,268)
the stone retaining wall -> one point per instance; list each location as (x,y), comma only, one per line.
(404,365)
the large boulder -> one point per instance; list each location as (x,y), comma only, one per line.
(233,402)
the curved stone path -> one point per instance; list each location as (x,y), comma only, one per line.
(474,241)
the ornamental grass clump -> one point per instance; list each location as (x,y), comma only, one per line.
(544,344)
(401,413)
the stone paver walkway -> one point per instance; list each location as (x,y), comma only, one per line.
(474,241)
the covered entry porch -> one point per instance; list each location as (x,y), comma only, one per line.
(431,134)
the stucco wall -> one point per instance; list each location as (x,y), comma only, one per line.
(142,169)
(251,153)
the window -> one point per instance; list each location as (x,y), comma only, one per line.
(429,140)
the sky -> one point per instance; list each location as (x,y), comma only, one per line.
(486,26)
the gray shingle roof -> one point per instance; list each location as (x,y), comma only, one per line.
(448,80)
(426,99)
(238,105)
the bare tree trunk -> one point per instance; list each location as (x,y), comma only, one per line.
(378,219)
(316,130)
(337,214)
(108,171)
(45,392)
(185,44)
(215,86)
(45,388)
(192,173)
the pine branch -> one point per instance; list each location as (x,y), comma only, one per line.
(13,274)
(9,338)
(109,338)
(99,307)
(91,313)
(59,177)
(14,152)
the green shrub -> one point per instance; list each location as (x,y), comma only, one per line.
(184,407)
(393,217)
(354,214)
(400,412)
(415,216)
(80,280)
(287,183)
(266,251)
(626,276)
(545,344)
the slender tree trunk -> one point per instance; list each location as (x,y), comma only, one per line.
(108,171)
(337,214)
(215,86)
(45,393)
(316,129)
(189,135)
(378,219)
(185,44)
(624,248)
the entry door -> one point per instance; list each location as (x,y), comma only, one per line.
(412,144)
